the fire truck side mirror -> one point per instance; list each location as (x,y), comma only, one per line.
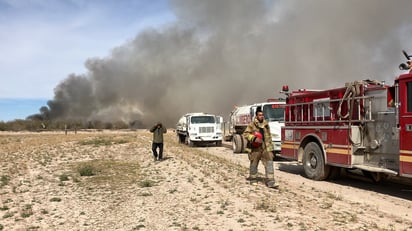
(404,66)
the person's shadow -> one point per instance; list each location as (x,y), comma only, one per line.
(166,158)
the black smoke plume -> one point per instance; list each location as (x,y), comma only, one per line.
(224,53)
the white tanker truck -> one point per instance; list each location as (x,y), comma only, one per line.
(199,128)
(274,112)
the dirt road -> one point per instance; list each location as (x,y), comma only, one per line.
(109,181)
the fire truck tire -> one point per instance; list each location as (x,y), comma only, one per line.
(313,162)
(237,143)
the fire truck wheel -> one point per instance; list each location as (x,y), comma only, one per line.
(237,143)
(313,162)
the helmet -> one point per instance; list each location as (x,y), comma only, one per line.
(257,135)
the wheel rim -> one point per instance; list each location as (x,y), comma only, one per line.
(314,164)
(313,161)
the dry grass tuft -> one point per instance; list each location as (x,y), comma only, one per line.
(108,172)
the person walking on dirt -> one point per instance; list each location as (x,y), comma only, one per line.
(260,146)
(158,130)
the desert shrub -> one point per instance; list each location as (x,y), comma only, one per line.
(64,177)
(103,141)
(96,142)
(87,170)
(7,215)
(55,199)
(146,183)
(27,211)
(4,180)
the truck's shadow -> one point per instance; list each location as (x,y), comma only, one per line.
(393,186)
(227,145)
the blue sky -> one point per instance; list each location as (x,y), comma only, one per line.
(43,41)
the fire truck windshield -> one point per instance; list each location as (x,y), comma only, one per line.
(274,112)
(202,119)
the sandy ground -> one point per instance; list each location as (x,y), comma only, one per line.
(109,181)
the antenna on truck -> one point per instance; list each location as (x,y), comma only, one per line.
(408,57)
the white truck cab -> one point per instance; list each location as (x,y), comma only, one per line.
(199,128)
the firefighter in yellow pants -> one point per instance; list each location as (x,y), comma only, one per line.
(260,148)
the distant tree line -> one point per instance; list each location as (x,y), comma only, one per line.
(33,124)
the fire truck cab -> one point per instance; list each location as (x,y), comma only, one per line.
(364,125)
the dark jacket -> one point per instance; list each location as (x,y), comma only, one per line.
(158,133)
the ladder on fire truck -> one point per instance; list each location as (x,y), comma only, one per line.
(356,106)
(323,111)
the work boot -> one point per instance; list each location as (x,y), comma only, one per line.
(253,181)
(155,158)
(272,184)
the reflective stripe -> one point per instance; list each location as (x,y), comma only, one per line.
(405,159)
(338,151)
(405,152)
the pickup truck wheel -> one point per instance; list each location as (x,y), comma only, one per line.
(189,142)
(237,143)
(244,144)
(179,139)
(313,162)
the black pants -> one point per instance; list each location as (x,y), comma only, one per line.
(154,149)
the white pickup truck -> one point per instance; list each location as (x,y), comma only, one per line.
(199,128)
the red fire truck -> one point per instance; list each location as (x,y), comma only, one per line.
(365,125)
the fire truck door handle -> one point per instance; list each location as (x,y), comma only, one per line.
(408,127)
